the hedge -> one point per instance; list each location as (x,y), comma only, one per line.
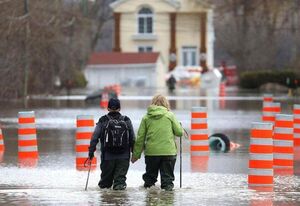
(255,79)
(79,79)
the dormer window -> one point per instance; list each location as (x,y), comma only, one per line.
(145,21)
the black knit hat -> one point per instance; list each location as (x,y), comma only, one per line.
(114,104)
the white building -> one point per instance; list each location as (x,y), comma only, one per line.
(127,69)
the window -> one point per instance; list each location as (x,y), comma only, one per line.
(145,48)
(189,56)
(145,21)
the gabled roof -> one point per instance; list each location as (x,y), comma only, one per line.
(174,3)
(104,58)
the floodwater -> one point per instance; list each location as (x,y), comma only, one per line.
(220,179)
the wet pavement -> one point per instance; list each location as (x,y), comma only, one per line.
(220,179)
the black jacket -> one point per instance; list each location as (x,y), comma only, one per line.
(99,135)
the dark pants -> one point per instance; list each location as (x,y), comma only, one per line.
(113,172)
(163,164)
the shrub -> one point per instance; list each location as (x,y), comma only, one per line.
(255,79)
(76,79)
(79,79)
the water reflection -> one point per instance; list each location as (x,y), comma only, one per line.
(28,162)
(112,197)
(199,163)
(158,197)
(261,200)
(172,104)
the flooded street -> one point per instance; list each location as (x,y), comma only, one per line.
(219,179)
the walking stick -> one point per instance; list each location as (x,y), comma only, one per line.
(186,135)
(87,180)
(180,170)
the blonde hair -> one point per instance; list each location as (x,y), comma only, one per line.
(160,100)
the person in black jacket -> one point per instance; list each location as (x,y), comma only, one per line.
(114,166)
(171,82)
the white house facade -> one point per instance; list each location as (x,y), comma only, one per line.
(181,30)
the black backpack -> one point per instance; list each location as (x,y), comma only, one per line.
(116,135)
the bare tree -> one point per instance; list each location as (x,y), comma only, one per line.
(42,41)
(258,34)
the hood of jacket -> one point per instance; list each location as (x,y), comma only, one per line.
(156,112)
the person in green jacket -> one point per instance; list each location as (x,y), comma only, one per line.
(156,138)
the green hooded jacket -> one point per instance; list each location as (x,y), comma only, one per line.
(156,134)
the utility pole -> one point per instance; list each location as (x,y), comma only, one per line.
(84,7)
(25,7)
(26,53)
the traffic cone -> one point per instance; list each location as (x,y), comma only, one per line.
(234,146)
(85,128)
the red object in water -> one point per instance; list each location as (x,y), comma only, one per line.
(230,73)
(104,100)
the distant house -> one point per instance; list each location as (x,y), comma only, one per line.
(125,68)
(181,31)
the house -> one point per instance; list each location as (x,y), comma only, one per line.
(181,31)
(126,68)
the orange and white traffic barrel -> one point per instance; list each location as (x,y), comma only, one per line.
(268,98)
(270,109)
(104,100)
(296,112)
(199,131)
(261,155)
(283,141)
(84,131)
(1,146)
(27,138)
(199,147)
(222,92)
(117,89)
(1,141)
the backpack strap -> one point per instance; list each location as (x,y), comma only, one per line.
(121,117)
(108,117)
